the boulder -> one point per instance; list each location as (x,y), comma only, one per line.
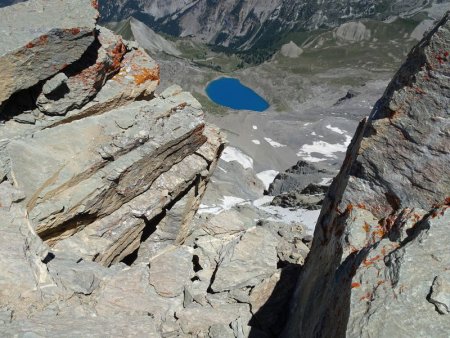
(239,266)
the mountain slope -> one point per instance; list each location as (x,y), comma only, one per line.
(242,24)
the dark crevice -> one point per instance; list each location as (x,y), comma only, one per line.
(23,101)
(151,226)
(149,229)
(131,258)
(213,277)
(67,228)
(196,263)
(50,256)
(271,318)
(88,59)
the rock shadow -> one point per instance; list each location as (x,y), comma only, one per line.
(270,319)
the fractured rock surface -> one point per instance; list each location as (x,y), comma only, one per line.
(379,260)
(100,183)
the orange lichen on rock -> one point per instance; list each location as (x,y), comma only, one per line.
(94,4)
(368,262)
(356,285)
(117,54)
(349,208)
(73,31)
(43,39)
(379,232)
(147,74)
(419,90)
(366,227)
(367,296)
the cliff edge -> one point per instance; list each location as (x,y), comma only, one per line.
(379,262)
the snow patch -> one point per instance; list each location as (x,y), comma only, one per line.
(267,177)
(306,217)
(228,202)
(326,149)
(257,142)
(233,154)
(325,181)
(274,143)
(255,127)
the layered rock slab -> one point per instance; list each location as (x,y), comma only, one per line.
(90,176)
(38,42)
(370,268)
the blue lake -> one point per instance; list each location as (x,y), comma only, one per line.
(233,94)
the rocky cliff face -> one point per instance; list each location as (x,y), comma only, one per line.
(379,260)
(96,172)
(246,23)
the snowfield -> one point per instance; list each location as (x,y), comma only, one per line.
(267,177)
(233,154)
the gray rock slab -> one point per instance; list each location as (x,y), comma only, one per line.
(171,270)
(239,264)
(129,292)
(200,319)
(66,168)
(38,41)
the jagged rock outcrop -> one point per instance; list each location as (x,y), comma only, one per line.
(299,176)
(97,173)
(379,262)
(310,198)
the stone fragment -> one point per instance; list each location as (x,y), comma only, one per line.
(54,83)
(171,271)
(199,319)
(52,325)
(440,294)
(227,222)
(239,266)
(128,292)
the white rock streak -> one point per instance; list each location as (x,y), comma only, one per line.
(274,143)
(336,130)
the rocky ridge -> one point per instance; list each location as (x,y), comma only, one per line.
(243,24)
(100,182)
(96,172)
(378,265)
